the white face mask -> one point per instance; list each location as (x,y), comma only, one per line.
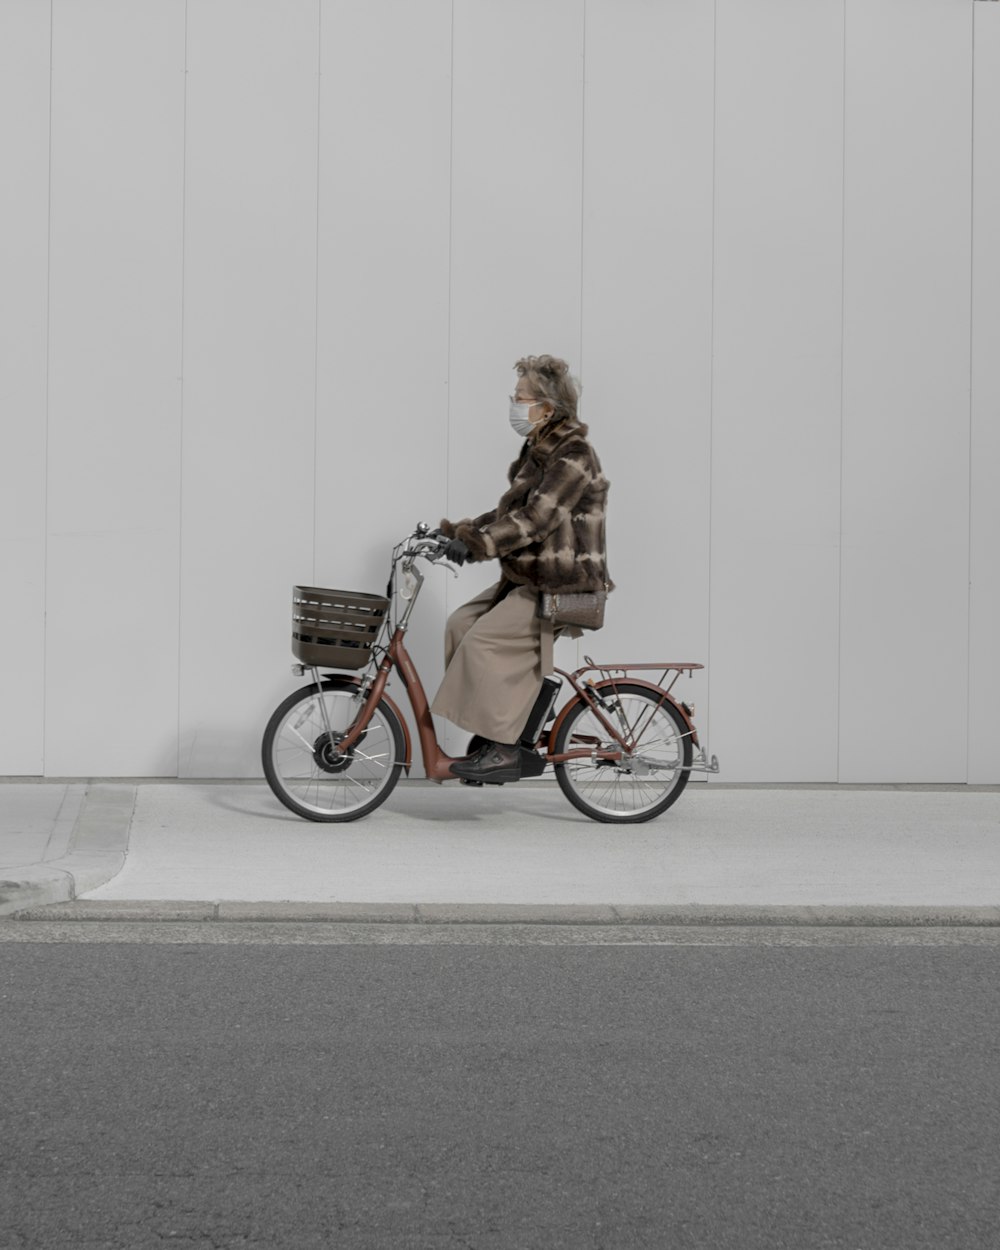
(520,422)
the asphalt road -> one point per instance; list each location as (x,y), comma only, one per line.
(433,1096)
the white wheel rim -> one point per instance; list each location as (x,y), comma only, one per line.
(300,736)
(631,787)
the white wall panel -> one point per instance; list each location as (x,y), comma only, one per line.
(516,209)
(904,617)
(776,389)
(24,141)
(249,367)
(647,320)
(267,265)
(382,379)
(114,394)
(984,660)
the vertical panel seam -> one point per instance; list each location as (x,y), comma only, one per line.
(451,213)
(972,324)
(583,216)
(319,158)
(48,343)
(583,173)
(180,449)
(711,360)
(843,337)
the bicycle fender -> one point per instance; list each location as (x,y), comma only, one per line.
(338,680)
(609,684)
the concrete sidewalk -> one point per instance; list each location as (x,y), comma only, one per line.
(162,849)
(60,839)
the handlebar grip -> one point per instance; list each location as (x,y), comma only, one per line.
(429,547)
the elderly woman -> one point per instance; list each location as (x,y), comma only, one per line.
(547,531)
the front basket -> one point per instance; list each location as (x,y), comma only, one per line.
(335,628)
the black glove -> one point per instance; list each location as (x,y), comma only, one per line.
(455,551)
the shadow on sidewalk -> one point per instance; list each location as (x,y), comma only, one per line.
(418,800)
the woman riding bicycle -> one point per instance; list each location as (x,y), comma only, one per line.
(548,532)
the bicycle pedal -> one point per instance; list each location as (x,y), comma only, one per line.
(467,781)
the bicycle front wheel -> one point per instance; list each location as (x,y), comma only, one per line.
(303,767)
(640,785)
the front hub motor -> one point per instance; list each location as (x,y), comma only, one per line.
(326,755)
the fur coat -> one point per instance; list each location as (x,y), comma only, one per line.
(547,531)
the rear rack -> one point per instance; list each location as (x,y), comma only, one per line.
(665,666)
(702,762)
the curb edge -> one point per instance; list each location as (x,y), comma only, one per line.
(500,914)
(96,852)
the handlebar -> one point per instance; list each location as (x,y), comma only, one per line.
(429,548)
(423,542)
(426,542)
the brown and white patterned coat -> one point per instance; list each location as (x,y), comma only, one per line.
(548,530)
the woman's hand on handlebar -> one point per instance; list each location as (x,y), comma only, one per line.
(437,544)
(455,551)
(437,547)
(431,544)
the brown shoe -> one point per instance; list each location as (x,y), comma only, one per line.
(493,764)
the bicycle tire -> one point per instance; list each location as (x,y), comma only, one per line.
(298,761)
(620,788)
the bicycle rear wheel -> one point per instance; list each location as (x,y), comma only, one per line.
(305,771)
(639,786)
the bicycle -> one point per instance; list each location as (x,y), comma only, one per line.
(623,748)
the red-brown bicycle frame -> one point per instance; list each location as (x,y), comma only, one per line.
(437,765)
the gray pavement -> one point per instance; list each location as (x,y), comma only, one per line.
(163,850)
(364,1097)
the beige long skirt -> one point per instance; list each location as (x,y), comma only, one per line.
(495,659)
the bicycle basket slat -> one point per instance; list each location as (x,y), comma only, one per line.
(335,628)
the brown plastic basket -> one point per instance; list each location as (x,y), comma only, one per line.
(335,628)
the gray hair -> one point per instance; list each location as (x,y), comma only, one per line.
(549,379)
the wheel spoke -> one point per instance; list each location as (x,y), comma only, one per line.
(310,775)
(290,729)
(637,786)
